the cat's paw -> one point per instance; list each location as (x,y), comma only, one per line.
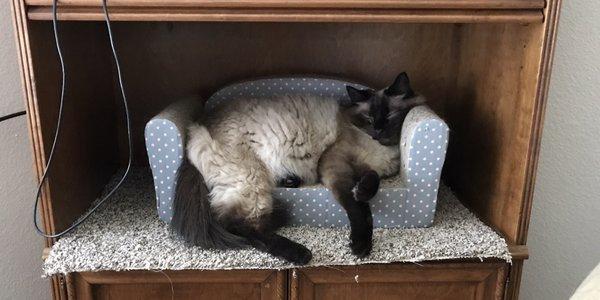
(289,250)
(298,255)
(361,244)
(367,187)
(291,181)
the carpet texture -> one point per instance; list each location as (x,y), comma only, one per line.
(126,234)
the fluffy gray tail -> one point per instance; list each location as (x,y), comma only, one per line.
(192,215)
(193,220)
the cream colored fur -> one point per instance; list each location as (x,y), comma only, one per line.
(242,148)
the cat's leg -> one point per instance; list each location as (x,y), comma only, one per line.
(339,176)
(241,195)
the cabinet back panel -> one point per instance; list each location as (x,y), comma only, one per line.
(166,61)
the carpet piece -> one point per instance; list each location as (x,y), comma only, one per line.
(126,234)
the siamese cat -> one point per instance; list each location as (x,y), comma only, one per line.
(241,151)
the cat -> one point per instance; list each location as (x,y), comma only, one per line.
(241,151)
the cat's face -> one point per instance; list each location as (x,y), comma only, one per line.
(382,113)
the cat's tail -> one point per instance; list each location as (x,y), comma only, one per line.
(193,218)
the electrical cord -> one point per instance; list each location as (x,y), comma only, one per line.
(13,115)
(59,121)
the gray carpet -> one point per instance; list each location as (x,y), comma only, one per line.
(126,234)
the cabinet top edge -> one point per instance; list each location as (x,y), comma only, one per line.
(338,4)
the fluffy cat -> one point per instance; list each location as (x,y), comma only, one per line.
(241,151)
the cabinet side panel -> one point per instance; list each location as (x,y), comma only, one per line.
(491,119)
(87,149)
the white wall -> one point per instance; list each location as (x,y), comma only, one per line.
(20,252)
(564,236)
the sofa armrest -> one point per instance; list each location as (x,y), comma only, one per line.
(423,144)
(165,144)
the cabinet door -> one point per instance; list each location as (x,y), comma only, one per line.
(147,285)
(401,281)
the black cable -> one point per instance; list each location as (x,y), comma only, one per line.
(59,121)
(13,115)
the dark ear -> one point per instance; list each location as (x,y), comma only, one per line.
(357,95)
(401,86)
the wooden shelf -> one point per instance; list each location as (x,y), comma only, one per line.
(398,11)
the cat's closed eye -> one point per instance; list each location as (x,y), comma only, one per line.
(367,118)
(393,115)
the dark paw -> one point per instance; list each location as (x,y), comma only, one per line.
(361,239)
(289,250)
(361,246)
(298,255)
(367,186)
(291,181)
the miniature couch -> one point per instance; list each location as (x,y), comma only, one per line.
(405,200)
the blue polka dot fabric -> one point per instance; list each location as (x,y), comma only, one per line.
(409,203)
(165,149)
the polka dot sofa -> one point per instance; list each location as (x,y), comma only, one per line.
(406,200)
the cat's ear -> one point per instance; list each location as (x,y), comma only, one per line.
(400,86)
(358,95)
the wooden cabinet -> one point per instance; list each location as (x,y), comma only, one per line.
(430,281)
(484,65)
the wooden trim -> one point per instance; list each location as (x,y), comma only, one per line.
(28,82)
(373,4)
(218,276)
(83,288)
(518,252)
(513,283)
(292,15)
(45,253)
(33,124)
(550,30)
(70,286)
(278,281)
(410,272)
(302,286)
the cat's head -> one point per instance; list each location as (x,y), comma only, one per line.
(382,113)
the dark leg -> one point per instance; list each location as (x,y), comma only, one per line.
(338,175)
(359,214)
